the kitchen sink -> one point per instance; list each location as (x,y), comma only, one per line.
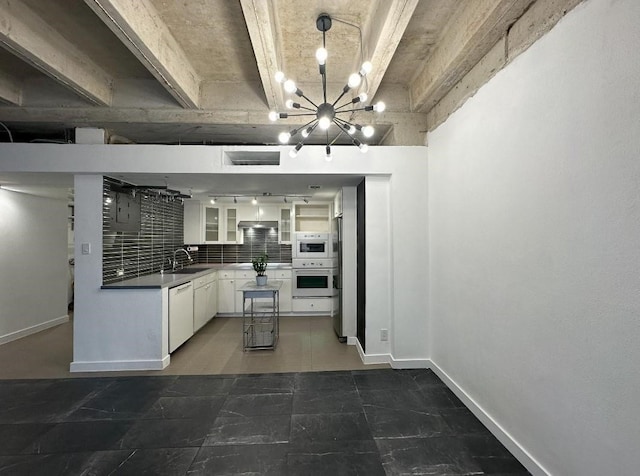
(187,271)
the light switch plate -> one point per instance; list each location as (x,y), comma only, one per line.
(86,248)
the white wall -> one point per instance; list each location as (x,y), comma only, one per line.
(113,330)
(33,263)
(535,244)
(101,312)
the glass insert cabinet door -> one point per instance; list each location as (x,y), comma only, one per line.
(212,224)
(232,225)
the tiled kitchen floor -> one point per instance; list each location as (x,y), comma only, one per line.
(306,344)
(371,422)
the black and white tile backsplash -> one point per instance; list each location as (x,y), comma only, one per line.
(256,242)
(147,251)
(137,253)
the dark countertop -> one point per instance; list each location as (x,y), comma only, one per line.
(170,280)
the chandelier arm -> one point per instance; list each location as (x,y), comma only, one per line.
(302,114)
(344,91)
(344,105)
(342,131)
(366,108)
(307,109)
(309,100)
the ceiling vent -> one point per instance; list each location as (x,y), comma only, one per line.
(315,187)
(240,157)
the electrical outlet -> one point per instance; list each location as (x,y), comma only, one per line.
(384,335)
(120,272)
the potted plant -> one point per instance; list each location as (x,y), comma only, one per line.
(260,267)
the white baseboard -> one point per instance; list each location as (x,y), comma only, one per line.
(500,433)
(119,365)
(409,363)
(33,329)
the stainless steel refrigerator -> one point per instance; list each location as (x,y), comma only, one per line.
(337,278)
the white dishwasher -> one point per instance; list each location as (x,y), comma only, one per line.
(180,315)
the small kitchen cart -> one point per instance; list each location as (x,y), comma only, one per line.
(260,315)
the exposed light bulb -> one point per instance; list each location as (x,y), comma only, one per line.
(254,201)
(284,137)
(290,86)
(324,123)
(352,129)
(306,132)
(368,131)
(379,106)
(213,201)
(273,116)
(354,80)
(289,103)
(363,97)
(366,68)
(363,148)
(321,55)
(279,76)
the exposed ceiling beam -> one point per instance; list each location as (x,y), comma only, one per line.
(10,89)
(470,34)
(382,36)
(259,17)
(139,26)
(28,36)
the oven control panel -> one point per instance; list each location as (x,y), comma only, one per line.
(317,263)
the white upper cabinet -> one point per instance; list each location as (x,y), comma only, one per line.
(284,226)
(193,222)
(212,228)
(312,217)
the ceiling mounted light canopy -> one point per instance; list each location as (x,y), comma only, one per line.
(326,114)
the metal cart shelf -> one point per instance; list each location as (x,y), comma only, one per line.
(260,315)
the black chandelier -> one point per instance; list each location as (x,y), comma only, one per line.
(326,113)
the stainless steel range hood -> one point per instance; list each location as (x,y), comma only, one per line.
(258,224)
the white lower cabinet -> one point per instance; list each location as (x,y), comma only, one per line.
(312,305)
(204,300)
(180,315)
(226,292)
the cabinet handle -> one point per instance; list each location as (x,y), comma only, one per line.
(207,286)
(183,287)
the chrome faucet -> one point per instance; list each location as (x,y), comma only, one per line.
(175,261)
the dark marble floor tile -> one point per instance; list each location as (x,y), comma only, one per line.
(61,464)
(393,400)
(324,382)
(193,386)
(329,427)
(186,407)
(491,455)
(180,433)
(423,377)
(80,436)
(441,397)
(405,423)
(15,437)
(438,455)
(262,404)
(462,422)
(124,399)
(384,379)
(250,430)
(37,402)
(267,460)
(326,402)
(256,384)
(155,462)
(344,458)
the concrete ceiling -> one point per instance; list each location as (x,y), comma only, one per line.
(202,71)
